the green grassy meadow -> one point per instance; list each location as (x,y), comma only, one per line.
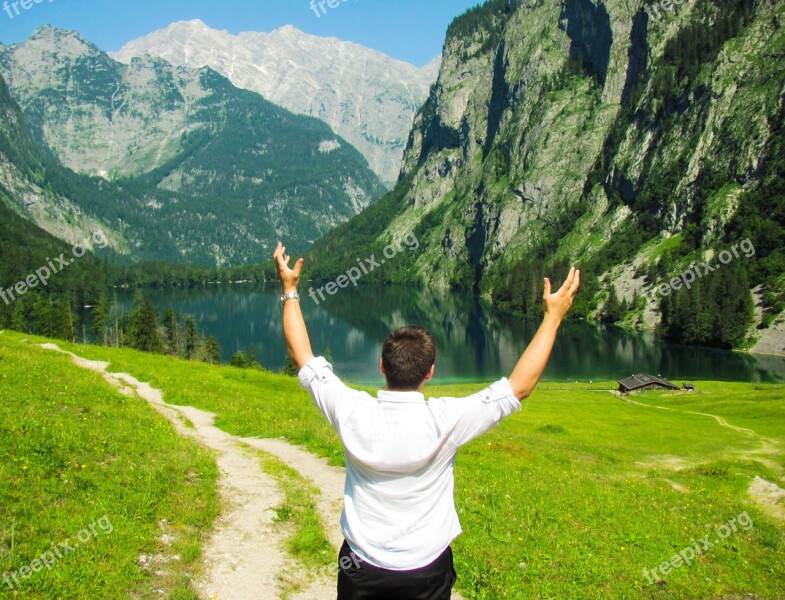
(73,451)
(570,498)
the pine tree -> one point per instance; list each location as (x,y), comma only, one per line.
(171,325)
(250,354)
(289,368)
(142,326)
(212,350)
(239,360)
(99,325)
(734,308)
(612,312)
(118,332)
(18,322)
(50,317)
(69,304)
(191,337)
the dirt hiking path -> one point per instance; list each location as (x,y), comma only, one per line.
(768,495)
(245,557)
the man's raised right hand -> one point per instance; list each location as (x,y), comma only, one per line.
(558,304)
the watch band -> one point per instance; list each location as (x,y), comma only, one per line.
(289,296)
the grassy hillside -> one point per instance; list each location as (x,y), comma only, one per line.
(75,453)
(573,497)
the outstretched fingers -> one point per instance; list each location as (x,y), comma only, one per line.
(282,260)
(564,289)
(576,283)
(570,286)
(297,266)
(280,253)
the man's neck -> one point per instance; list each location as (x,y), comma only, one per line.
(419,389)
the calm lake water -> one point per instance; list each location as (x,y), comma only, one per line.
(475,341)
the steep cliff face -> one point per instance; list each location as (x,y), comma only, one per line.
(588,26)
(44,193)
(529,112)
(590,131)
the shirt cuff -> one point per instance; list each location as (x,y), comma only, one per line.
(498,391)
(317,367)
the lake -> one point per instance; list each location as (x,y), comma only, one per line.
(476,342)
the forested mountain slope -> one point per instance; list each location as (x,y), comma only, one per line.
(219,171)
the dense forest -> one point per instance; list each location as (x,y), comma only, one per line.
(77,303)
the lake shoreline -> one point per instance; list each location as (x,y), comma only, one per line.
(477,342)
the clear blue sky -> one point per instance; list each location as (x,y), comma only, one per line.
(410,30)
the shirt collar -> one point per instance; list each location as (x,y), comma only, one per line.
(388,396)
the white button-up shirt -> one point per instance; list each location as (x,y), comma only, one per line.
(399,511)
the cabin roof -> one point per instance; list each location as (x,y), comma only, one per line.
(642,380)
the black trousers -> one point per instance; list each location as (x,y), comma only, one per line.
(368,582)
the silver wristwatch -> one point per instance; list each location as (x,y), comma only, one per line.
(289,296)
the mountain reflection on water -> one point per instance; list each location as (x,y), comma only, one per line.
(476,342)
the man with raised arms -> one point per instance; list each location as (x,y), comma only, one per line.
(399,516)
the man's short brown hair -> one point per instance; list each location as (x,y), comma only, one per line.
(407,355)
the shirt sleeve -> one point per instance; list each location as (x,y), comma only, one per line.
(481,412)
(332,397)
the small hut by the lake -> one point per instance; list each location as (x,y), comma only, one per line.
(643,382)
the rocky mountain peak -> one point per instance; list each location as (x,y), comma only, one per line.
(65,43)
(365,96)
